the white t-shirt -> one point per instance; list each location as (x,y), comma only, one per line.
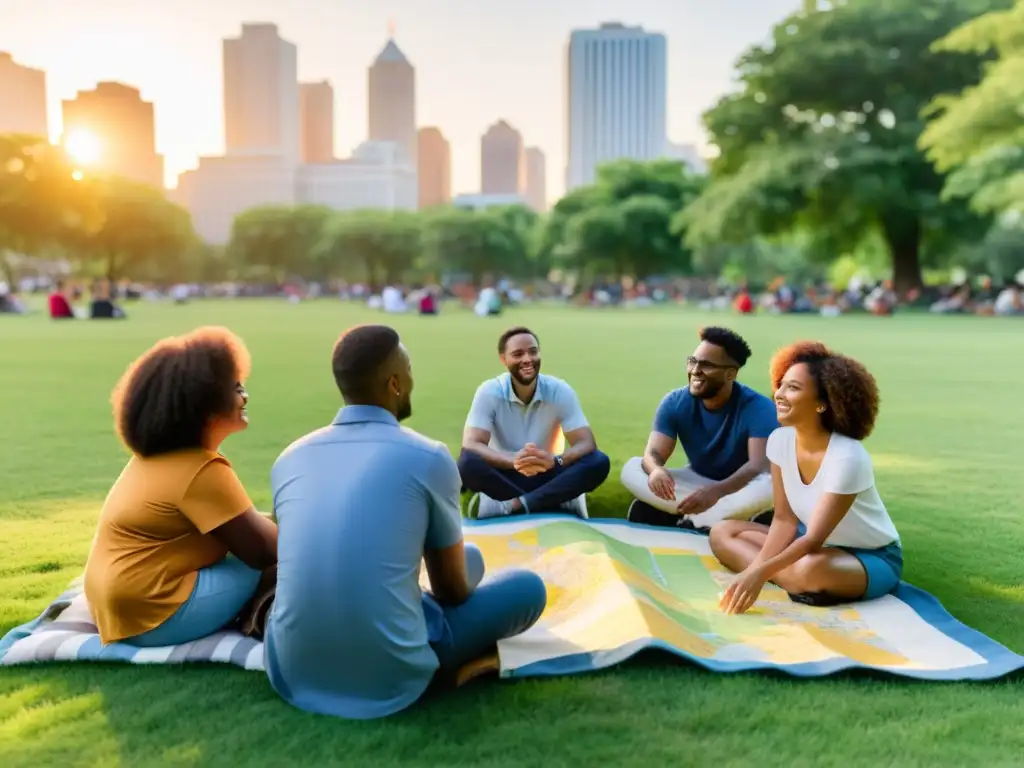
(845,469)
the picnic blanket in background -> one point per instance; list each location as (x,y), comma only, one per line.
(615,589)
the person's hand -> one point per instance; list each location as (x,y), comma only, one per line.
(531,460)
(743,592)
(661,484)
(699,501)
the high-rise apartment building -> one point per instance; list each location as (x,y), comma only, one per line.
(119,128)
(536,179)
(617,94)
(261,94)
(22,98)
(391,82)
(502,161)
(316,109)
(434,164)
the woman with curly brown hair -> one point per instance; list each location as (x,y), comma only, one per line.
(179,549)
(831,539)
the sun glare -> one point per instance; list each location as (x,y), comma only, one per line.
(83,147)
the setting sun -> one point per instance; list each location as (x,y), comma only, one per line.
(83,147)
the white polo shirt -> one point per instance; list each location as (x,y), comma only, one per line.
(513,424)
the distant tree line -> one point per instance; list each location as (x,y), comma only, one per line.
(884,133)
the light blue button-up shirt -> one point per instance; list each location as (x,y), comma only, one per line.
(357,504)
(512,423)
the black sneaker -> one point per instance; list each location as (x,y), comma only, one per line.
(642,513)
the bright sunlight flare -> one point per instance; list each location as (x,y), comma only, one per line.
(82,146)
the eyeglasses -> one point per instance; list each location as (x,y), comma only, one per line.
(696,364)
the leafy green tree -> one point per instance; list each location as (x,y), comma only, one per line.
(383,246)
(138,227)
(823,134)
(44,202)
(978,134)
(487,243)
(280,241)
(625,223)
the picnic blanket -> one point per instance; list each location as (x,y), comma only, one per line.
(615,589)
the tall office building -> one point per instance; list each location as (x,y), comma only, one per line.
(316,109)
(434,165)
(261,94)
(115,118)
(617,94)
(536,179)
(391,89)
(22,98)
(502,161)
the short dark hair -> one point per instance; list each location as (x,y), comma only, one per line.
(734,345)
(516,331)
(166,398)
(357,359)
(849,391)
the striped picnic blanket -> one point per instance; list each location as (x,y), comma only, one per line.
(65,632)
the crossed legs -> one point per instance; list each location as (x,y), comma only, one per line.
(831,571)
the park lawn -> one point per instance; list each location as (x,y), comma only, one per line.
(946,453)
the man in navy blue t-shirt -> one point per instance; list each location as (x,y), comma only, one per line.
(723,427)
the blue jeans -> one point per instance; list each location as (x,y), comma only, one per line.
(540,493)
(506,605)
(220,593)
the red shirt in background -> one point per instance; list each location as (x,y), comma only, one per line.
(60,306)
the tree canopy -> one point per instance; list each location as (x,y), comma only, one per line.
(823,134)
(977,134)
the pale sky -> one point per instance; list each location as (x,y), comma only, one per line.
(477,61)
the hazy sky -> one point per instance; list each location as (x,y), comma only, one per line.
(476,61)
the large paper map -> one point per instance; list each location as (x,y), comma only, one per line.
(615,589)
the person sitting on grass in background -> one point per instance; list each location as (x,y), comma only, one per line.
(361,503)
(831,539)
(509,441)
(723,427)
(59,302)
(179,549)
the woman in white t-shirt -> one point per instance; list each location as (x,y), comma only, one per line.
(831,539)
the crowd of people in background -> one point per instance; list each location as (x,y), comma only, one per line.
(978,296)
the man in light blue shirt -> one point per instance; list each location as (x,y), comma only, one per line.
(510,454)
(359,505)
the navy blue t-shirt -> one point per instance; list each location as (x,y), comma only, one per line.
(715,442)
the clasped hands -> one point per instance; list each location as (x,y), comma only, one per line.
(664,487)
(532,460)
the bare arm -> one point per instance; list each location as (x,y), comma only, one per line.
(784,523)
(447,571)
(757,464)
(659,450)
(251,537)
(476,440)
(776,556)
(581,442)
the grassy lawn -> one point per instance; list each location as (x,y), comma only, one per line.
(947,458)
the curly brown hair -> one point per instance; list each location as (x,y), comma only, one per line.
(166,398)
(848,390)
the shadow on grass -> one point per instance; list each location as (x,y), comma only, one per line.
(651,710)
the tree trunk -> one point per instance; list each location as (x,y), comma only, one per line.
(7,270)
(902,233)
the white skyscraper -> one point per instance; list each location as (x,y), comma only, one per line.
(617,93)
(22,98)
(261,95)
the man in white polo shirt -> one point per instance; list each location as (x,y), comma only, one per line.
(509,442)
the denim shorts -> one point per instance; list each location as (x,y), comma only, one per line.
(883,566)
(220,593)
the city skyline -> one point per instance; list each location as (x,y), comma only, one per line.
(470,65)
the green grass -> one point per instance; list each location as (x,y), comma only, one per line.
(947,457)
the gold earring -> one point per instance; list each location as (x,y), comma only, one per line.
(821,409)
